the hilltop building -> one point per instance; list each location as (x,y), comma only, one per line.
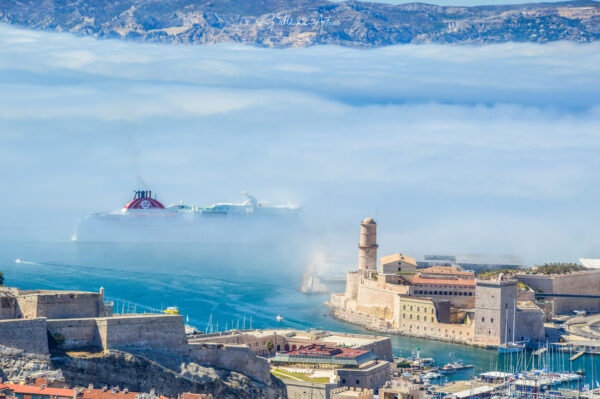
(439,302)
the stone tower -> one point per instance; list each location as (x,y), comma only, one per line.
(494,309)
(367,247)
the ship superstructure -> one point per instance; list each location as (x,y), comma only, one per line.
(145,218)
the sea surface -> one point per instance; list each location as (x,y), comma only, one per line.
(223,286)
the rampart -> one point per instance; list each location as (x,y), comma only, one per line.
(583,282)
(27,335)
(77,333)
(60,305)
(233,357)
(120,332)
(152,331)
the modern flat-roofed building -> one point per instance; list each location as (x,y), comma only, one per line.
(350,367)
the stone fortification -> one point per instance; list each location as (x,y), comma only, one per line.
(31,304)
(440,302)
(367,247)
(119,332)
(152,331)
(290,339)
(27,335)
(232,357)
(80,320)
(583,282)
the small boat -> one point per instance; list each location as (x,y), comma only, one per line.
(511,347)
(279,317)
(454,366)
(172,310)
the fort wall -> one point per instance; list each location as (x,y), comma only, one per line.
(27,335)
(60,305)
(8,305)
(77,332)
(352,281)
(233,357)
(530,324)
(151,331)
(584,282)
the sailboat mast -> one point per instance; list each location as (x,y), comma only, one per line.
(514,318)
(506,327)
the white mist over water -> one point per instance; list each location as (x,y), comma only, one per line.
(457,149)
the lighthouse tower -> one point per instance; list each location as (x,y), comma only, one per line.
(367,247)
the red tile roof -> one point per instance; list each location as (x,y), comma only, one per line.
(452,270)
(33,390)
(108,394)
(418,280)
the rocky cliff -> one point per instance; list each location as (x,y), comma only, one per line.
(168,374)
(280,23)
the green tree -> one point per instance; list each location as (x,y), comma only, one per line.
(270,345)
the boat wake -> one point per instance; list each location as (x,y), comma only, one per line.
(24,262)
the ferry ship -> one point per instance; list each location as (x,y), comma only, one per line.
(145,218)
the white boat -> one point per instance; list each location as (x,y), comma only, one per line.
(279,317)
(145,218)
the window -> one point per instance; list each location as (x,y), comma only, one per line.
(403,307)
(343,380)
(418,308)
(482,319)
(424,318)
(432,311)
(418,317)
(470,294)
(411,317)
(404,315)
(411,309)
(357,382)
(492,320)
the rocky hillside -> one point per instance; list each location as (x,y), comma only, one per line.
(138,373)
(280,23)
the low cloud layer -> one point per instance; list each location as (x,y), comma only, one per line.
(489,149)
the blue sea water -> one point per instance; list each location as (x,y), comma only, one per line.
(226,285)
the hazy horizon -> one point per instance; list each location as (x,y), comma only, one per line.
(454,149)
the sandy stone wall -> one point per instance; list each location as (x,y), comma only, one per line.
(308,390)
(585,282)
(151,331)
(233,357)
(28,335)
(494,305)
(61,305)
(77,332)
(352,280)
(530,324)
(8,306)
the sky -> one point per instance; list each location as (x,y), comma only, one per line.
(452,149)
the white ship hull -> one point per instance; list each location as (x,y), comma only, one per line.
(185,228)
